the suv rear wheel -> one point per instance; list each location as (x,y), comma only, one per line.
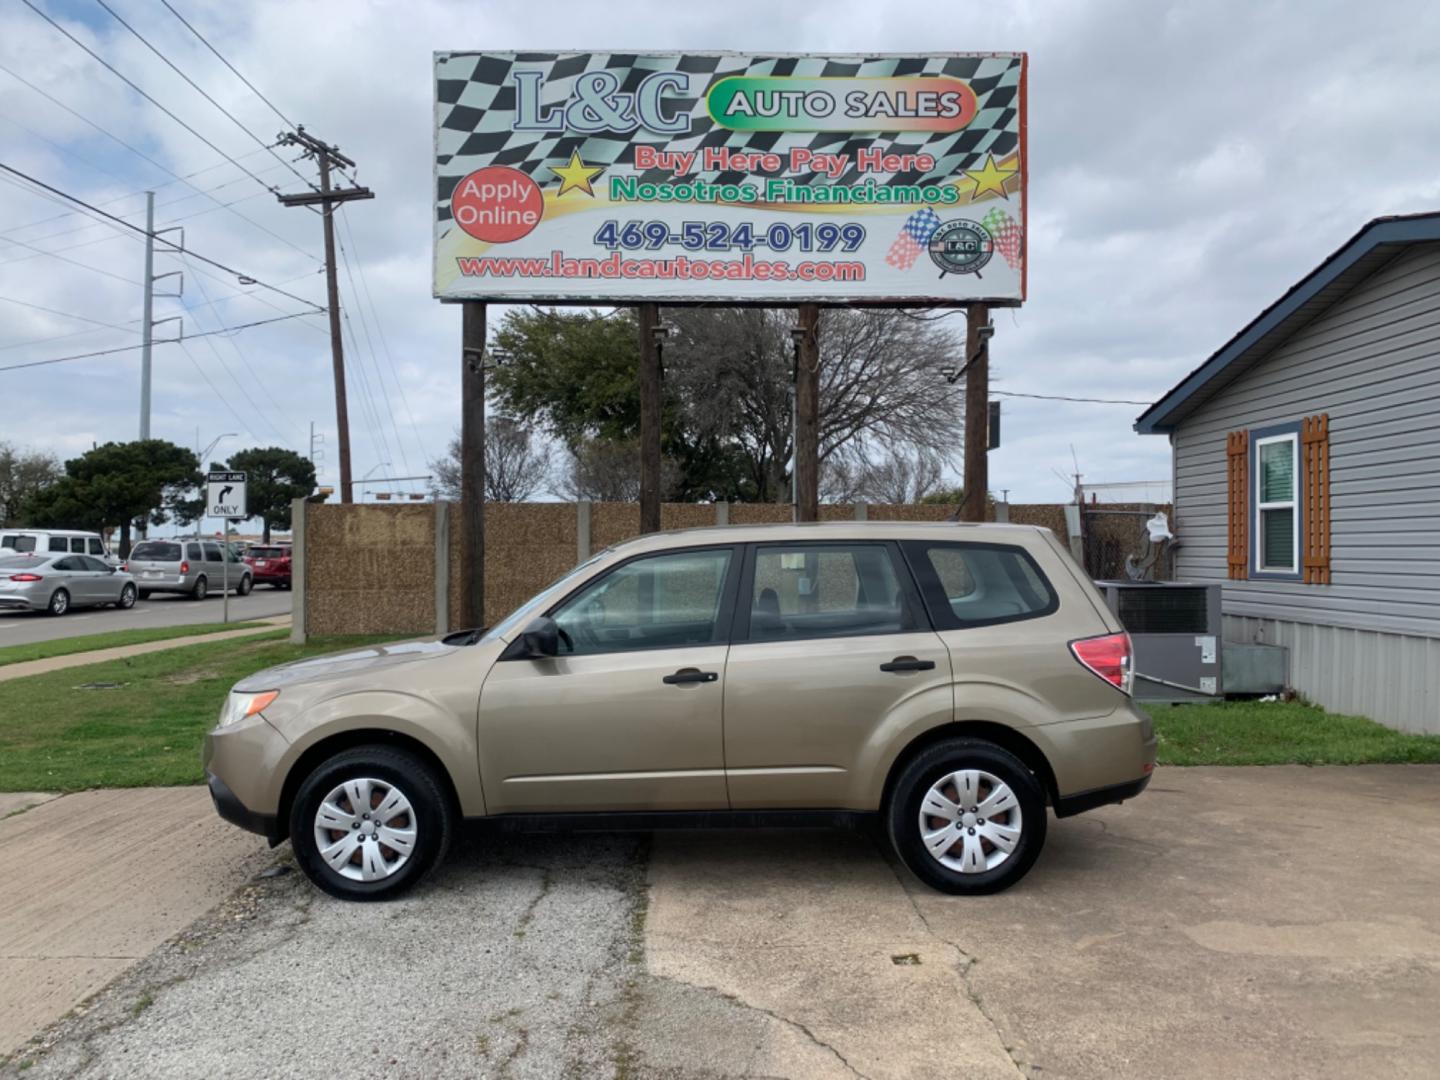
(369,822)
(200,590)
(967,816)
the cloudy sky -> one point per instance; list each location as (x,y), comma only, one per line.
(1187,164)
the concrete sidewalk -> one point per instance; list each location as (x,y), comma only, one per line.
(100,656)
(95,882)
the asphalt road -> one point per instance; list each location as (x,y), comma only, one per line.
(26,627)
(1257,922)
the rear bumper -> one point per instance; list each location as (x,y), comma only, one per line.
(1070,805)
(20,603)
(229,807)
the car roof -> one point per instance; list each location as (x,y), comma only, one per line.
(983,532)
(27,531)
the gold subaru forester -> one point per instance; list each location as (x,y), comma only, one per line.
(954,679)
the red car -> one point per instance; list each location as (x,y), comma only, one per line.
(271,565)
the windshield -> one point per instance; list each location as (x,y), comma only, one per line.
(157,551)
(526,611)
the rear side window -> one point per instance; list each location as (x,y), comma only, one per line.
(825,590)
(59,543)
(18,543)
(192,552)
(979,584)
(156,551)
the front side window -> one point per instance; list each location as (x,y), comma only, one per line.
(96,548)
(826,590)
(1277,498)
(77,545)
(212,553)
(660,601)
(979,584)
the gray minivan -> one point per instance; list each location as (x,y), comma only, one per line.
(193,567)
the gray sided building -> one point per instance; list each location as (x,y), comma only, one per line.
(1307,476)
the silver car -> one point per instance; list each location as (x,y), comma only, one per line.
(195,568)
(57,583)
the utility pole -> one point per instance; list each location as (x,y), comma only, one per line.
(650,334)
(978,331)
(807,413)
(472,464)
(147,316)
(329,157)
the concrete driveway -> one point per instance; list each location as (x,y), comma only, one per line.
(1259,922)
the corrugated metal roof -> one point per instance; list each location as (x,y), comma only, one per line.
(1362,255)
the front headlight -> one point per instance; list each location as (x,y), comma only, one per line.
(238,706)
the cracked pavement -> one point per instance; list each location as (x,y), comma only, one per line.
(1229,922)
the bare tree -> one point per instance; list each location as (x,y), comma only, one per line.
(515,467)
(608,470)
(898,476)
(881,384)
(22,474)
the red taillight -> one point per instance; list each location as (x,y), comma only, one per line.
(1107,656)
(184,567)
(26,577)
(124,568)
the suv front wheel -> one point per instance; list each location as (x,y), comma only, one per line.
(369,822)
(967,817)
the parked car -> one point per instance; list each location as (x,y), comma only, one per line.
(270,565)
(952,679)
(57,583)
(54,542)
(193,567)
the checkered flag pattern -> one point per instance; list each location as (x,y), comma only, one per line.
(914,237)
(475,103)
(1007,235)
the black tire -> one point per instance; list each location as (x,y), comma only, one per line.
(59,603)
(144,594)
(127,598)
(243,589)
(201,588)
(429,797)
(913,784)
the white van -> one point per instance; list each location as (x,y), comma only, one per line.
(48,541)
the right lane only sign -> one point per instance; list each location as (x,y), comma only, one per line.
(225,495)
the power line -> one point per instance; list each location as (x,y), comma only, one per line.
(380,331)
(146,157)
(72,262)
(374,358)
(169,243)
(133,86)
(201,91)
(65,314)
(132,348)
(288,123)
(1060,397)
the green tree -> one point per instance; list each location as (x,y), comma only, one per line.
(119,484)
(274,476)
(22,474)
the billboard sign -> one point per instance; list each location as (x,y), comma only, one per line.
(624,177)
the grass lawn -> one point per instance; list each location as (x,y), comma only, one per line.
(43,650)
(1280,733)
(57,737)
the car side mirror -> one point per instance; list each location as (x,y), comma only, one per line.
(541,638)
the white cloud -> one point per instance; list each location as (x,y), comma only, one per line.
(1189,162)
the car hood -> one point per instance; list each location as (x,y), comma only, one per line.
(370,661)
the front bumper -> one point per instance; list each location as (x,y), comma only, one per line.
(229,807)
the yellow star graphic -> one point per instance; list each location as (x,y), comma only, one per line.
(576,176)
(989,179)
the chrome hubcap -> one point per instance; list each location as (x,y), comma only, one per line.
(970,821)
(365,829)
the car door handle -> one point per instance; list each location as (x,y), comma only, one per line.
(690,675)
(908,663)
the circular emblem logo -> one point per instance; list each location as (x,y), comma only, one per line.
(497,204)
(961,247)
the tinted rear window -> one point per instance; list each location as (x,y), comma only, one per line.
(156,551)
(18,543)
(979,584)
(268,553)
